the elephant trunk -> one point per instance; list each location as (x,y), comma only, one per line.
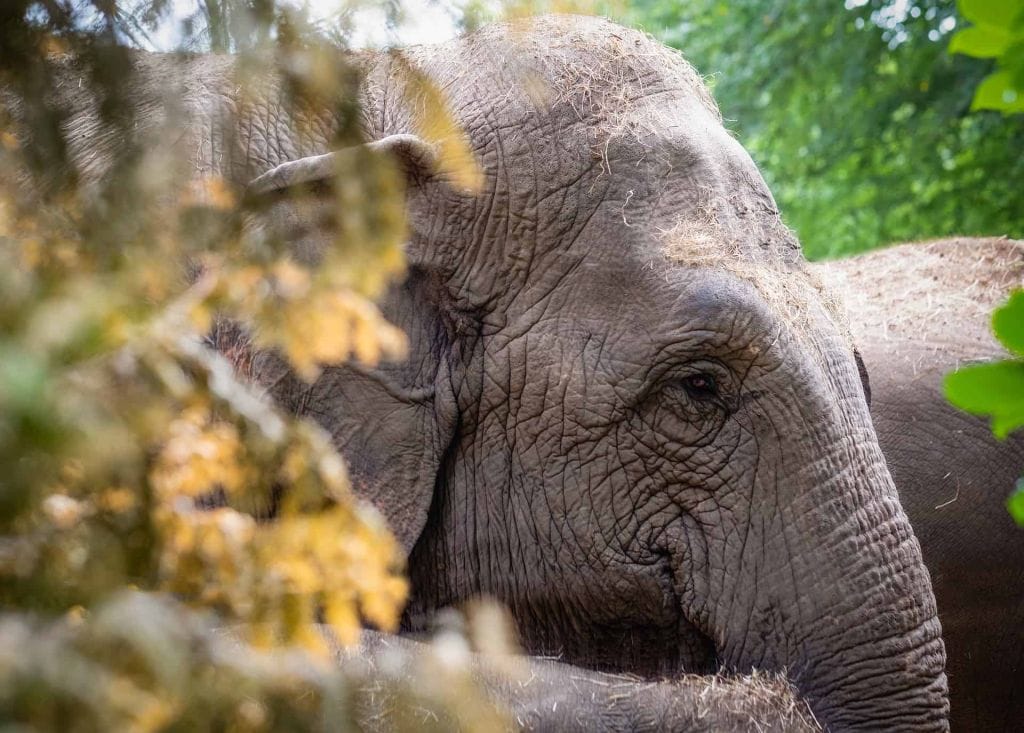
(893,697)
(874,660)
(874,657)
(856,628)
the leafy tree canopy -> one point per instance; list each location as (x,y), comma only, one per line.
(857,115)
(997,32)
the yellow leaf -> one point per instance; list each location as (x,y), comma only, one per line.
(436,125)
(291,280)
(382,605)
(341,616)
(117,500)
(199,456)
(309,638)
(31,252)
(211,192)
(75,615)
(51,45)
(64,511)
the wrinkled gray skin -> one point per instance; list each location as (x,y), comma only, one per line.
(627,413)
(917,312)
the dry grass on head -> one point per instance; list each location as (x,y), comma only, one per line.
(788,286)
(613,81)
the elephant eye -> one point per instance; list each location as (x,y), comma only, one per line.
(701,386)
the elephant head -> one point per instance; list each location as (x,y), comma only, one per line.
(628,412)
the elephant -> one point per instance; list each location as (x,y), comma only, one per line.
(918,311)
(629,411)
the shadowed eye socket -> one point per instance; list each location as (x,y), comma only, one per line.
(701,386)
(694,402)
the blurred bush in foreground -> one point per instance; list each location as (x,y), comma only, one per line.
(147,495)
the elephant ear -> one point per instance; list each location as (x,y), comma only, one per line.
(417,157)
(394,422)
(862,371)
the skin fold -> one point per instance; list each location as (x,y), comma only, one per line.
(629,413)
(918,311)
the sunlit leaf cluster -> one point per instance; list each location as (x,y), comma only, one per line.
(134,452)
(109,383)
(997,32)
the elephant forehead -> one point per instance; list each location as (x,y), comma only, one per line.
(557,72)
(657,304)
(592,65)
(612,79)
(789,292)
(636,115)
(597,142)
(554,99)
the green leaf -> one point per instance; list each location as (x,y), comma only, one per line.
(1008,323)
(1013,62)
(997,91)
(1000,13)
(1015,503)
(982,42)
(995,390)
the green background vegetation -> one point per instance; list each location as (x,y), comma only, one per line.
(858,116)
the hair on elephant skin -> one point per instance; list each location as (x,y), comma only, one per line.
(918,311)
(629,413)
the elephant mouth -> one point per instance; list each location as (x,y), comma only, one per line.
(655,638)
(697,652)
(640,626)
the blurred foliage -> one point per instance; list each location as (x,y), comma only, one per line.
(132,456)
(996,389)
(230,26)
(856,114)
(997,33)
(142,662)
(1015,503)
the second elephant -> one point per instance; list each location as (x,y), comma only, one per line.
(917,312)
